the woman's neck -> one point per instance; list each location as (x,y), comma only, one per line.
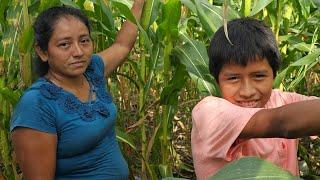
(66,82)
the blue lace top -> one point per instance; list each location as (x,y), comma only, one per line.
(87,146)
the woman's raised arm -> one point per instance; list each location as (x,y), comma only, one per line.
(115,55)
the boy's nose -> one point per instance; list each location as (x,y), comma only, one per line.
(247,90)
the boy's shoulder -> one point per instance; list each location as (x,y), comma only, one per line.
(280,98)
(210,102)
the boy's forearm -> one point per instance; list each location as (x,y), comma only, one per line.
(299,119)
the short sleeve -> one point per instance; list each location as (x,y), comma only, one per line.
(97,64)
(217,124)
(34,112)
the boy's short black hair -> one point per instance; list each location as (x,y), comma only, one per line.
(251,39)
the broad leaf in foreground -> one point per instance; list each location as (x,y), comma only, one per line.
(252,168)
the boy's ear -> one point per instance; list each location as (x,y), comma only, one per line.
(42,54)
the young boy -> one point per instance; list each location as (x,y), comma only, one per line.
(252,119)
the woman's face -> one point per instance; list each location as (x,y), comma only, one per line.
(69,48)
(247,86)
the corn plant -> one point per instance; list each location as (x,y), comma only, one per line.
(167,71)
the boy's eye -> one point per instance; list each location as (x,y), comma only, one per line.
(232,78)
(64,45)
(259,76)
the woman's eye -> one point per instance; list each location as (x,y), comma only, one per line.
(85,41)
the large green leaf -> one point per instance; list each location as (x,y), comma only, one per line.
(45,4)
(211,17)
(190,5)
(194,56)
(259,5)
(169,94)
(8,95)
(70,3)
(26,40)
(150,12)
(171,18)
(124,9)
(123,137)
(3,8)
(252,168)
(308,59)
(106,14)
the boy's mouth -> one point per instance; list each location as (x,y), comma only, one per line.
(248,104)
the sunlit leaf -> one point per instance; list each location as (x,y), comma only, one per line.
(70,3)
(211,17)
(123,137)
(128,14)
(150,12)
(308,59)
(26,40)
(169,94)
(252,168)
(171,18)
(194,56)
(258,6)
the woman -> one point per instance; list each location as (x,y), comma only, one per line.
(63,125)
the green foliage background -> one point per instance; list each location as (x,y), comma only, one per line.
(166,73)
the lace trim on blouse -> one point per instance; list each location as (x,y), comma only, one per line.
(71,104)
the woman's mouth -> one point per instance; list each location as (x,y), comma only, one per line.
(79,63)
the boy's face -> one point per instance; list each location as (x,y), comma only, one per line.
(247,86)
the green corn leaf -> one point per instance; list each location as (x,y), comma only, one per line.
(259,5)
(169,94)
(3,8)
(26,40)
(190,5)
(171,18)
(124,9)
(211,17)
(124,137)
(308,59)
(70,3)
(252,168)
(150,12)
(194,56)
(106,14)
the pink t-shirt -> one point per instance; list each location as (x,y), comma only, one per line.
(217,123)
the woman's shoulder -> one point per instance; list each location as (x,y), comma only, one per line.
(96,65)
(40,90)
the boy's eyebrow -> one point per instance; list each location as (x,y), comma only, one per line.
(230,74)
(261,71)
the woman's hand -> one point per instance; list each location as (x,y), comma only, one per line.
(115,55)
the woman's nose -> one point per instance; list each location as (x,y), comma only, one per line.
(77,51)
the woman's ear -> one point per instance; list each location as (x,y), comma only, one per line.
(42,54)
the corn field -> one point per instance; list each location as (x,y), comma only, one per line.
(166,73)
